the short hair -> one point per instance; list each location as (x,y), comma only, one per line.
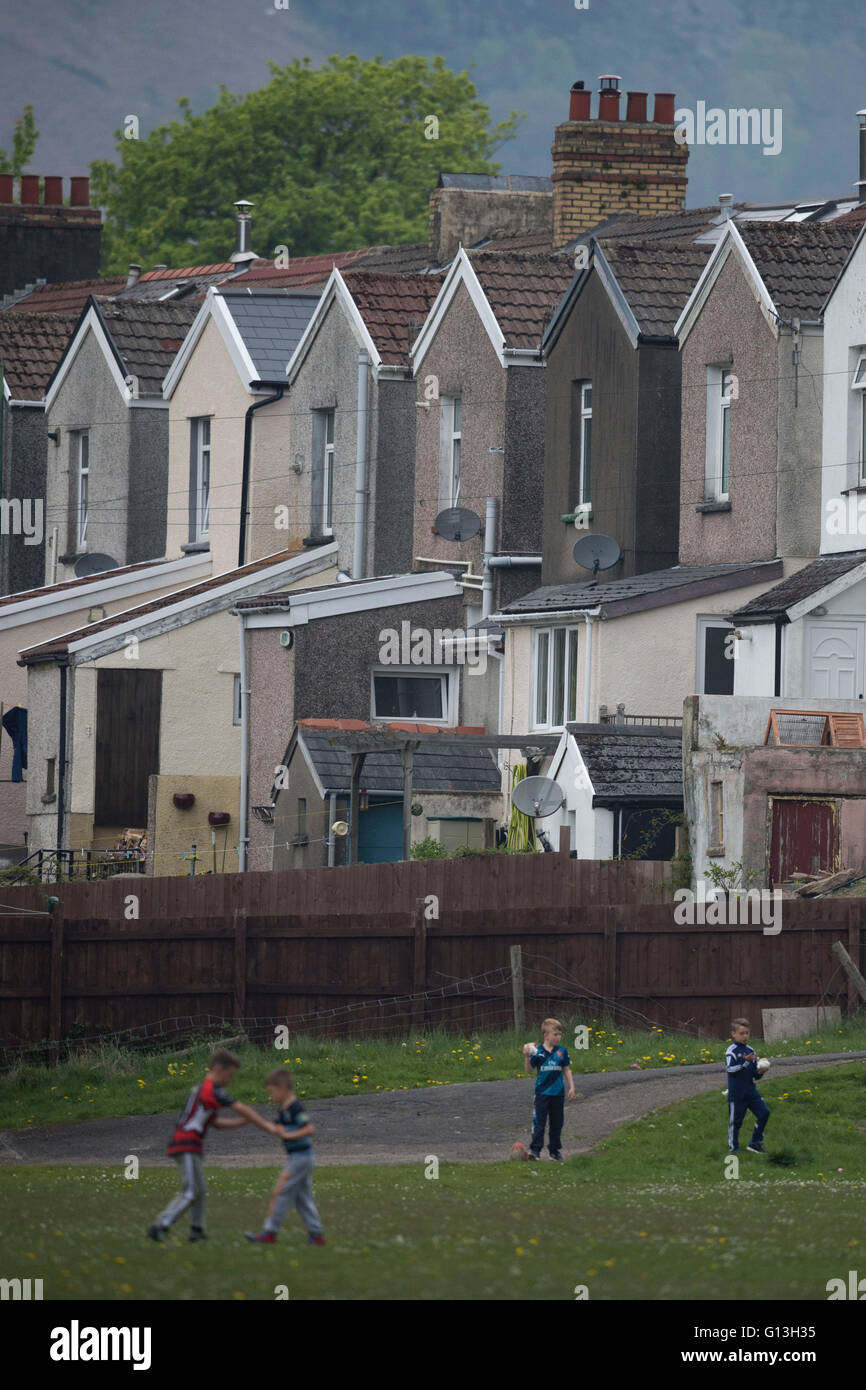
(740,1023)
(549,1024)
(223,1058)
(280,1077)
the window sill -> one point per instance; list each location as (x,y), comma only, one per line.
(716,852)
(47,798)
(196,548)
(713,507)
(846,491)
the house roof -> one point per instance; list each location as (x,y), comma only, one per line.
(631,763)
(656,278)
(855,218)
(809,580)
(445,767)
(642,591)
(798,262)
(681,225)
(69,585)
(271,323)
(522,290)
(70,296)
(31,345)
(393,307)
(147,336)
(57,648)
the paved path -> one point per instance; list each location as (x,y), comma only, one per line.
(469,1122)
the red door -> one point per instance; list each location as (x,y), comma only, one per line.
(802,837)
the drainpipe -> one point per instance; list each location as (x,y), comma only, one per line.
(777,686)
(243,839)
(245,476)
(587,668)
(359,545)
(61,760)
(332,839)
(489,547)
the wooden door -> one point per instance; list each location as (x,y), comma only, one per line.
(127,744)
(803,837)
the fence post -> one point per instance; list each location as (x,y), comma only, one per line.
(55,1001)
(517,992)
(419,965)
(611,973)
(240,964)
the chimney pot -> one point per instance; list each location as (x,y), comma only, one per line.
(6,188)
(53,195)
(636,107)
(608,98)
(580,103)
(725,201)
(30,188)
(664,108)
(134,274)
(79,191)
(243,253)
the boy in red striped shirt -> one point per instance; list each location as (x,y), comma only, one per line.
(203,1109)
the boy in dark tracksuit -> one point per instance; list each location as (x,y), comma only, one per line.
(554,1067)
(294,1187)
(741,1066)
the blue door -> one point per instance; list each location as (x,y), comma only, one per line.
(380,831)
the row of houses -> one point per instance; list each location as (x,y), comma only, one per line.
(306,591)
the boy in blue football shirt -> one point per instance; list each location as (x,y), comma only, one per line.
(741,1066)
(294,1186)
(553,1065)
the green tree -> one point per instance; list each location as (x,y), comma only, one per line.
(334,158)
(23,144)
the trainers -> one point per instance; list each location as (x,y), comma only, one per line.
(157,1232)
(557,1158)
(755,1148)
(196,1234)
(533,1156)
(316,1240)
(261,1237)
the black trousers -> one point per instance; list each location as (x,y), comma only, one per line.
(548,1110)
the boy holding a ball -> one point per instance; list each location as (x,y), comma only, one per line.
(743,1070)
(553,1065)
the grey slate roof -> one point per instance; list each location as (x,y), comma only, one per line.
(799,262)
(271,324)
(449,767)
(653,590)
(807,581)
(635,764)
(147,335)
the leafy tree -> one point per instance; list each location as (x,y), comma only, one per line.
(334,158)
(23,144)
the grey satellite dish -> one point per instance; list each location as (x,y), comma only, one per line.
(93,564)
(457,524)
(538,796)
(597,552)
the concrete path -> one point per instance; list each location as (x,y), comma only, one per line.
(469,1122)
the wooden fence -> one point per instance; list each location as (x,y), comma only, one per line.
(385,947)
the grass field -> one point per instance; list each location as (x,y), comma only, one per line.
(648,1215)
(109,1082)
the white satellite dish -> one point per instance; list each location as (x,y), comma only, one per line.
(538,796)
(597,552)
(340,827)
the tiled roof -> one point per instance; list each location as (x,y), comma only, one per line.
(396,260)
(147,335)
(656,278)
(394,308)
(523,292)
(301,272)
(31,345)
(855,218)
(271,324)
(805,582)
(633,764)
(445,767)
(799,262)
(67,296)
(668,226)
(59,646)
(67,585)
(192,282)
(653,590)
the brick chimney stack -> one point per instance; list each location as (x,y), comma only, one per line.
(610,165)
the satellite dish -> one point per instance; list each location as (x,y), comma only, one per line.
(93,564)
(597,552)
(340,827)
(457,524)
(538,796)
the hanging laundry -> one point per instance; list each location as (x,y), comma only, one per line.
(15,724)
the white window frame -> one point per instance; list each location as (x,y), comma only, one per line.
(542,694)
(449,683)
(716,485)
(327,466)
(858,383)
(202,481)
(450,450)
(585,483)
(236,699)
(83,443)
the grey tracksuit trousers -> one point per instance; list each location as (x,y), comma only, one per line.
(192,1193)
(295,1189)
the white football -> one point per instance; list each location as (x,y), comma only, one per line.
(763,1063)
(531,1049)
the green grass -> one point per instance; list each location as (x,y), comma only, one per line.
(648,1216)
(106,1082)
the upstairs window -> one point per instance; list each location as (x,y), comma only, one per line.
(323,470)
(585,444)
(859,385)
(405,694)
(718,458)
(83,487)
(554,698)
(450,440)
(199,489)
